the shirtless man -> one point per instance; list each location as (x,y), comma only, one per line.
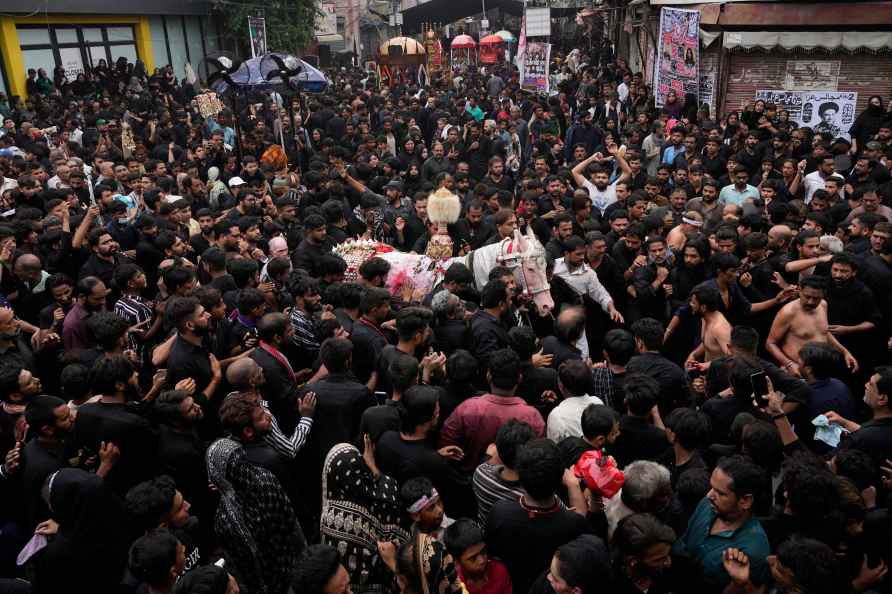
(691,224)
(800,322)
(715,332)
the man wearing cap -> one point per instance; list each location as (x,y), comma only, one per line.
(237,187)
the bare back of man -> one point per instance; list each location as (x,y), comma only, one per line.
(676,238)
(716,335)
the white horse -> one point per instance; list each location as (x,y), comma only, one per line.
(416,274)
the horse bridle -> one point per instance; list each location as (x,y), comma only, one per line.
(511,260)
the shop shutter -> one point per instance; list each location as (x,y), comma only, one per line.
(865,73)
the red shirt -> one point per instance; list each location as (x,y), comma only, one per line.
(497,579)
(474,424)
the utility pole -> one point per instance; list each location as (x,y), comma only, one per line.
(353,28)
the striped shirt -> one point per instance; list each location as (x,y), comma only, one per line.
(135,310)
(304,330)
(490,488)
(608,389)
(285,445)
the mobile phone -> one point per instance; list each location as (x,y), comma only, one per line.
(759,383)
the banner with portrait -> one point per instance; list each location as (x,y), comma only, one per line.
(822,111)
(678,54)
(257,35)
(535,65)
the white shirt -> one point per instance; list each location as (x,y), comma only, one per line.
(601,200)
(812,182)
(566,419)
(584,281)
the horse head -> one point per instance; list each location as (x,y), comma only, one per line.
(531,273)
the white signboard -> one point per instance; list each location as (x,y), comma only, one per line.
(804,75)
(327,24)
(71,62)
(538,22)
(822,111)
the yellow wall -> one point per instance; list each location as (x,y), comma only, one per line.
(11,50)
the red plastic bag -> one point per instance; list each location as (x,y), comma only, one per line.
(600,473)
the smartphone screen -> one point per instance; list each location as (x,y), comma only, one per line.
(759,383)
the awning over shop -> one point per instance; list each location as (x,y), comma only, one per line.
(849,40)
(330,38)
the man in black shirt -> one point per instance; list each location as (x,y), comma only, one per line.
(104,259)
(672,379)
(368,336)
(158,503)
(50,420)
(537,517)
(641,436)
(488,334)
(471,229)
(189,359)
(569,329)
(280,386)
(852,311)
(341,402)
(315,243)
(875,436)
(112,420)
(410,229)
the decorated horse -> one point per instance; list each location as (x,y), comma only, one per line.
(412,276)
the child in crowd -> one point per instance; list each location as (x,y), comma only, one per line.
(478,573)
(425,507)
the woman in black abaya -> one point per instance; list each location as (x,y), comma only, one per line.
(88,553)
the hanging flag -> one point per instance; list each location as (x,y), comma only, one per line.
(423,78)
(522,44)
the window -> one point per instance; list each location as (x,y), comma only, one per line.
(74,47)
(126,51)
(36,59)
(34,37)
(66,35)
(93,34)
(119,33)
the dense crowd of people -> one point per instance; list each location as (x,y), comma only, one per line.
(199,394)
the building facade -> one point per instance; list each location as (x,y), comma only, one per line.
(775,45)
(80,33)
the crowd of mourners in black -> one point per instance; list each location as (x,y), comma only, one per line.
(196,400)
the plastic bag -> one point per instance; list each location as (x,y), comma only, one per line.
(600,473)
